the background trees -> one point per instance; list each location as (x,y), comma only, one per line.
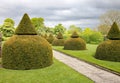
(107,19)
(7,28)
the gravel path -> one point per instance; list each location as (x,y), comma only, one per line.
(96,74)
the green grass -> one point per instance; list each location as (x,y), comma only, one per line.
(56,73)
(88,55)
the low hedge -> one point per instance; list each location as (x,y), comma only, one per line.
(109,50)
(75,44)
(58,42)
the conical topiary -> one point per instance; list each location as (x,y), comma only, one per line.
(26,50)
(23,29)
(74,35)
(114,33)
(59,35)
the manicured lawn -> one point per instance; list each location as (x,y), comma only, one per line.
(87,55)
(57,73)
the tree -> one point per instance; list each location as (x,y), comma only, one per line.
(107,19)
(7,29)
(39,24)
(73,28)
(59,28)
(91,36)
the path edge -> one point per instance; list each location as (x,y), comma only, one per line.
(93,64)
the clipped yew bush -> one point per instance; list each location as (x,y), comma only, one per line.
(110,49)
(75,43)
(50,38)
(0,43)
(59,41)
(25,49)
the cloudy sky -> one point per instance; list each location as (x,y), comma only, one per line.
(83,13)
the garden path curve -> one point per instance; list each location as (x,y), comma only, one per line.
(95,74)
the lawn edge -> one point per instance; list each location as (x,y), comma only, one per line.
(93,64)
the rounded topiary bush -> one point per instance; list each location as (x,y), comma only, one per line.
(26,50)
(59,41)
(75,43)
(110,49)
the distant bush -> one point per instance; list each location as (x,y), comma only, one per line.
(50,38)
(26,50)
(59,41)
(75,43)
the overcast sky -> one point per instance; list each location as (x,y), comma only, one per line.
(83,13)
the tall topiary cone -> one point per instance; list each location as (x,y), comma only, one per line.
(25,49)
(60,36)
(75,43)
(25,27)
(110,49)
(50,38)
(59,41)
(114,33)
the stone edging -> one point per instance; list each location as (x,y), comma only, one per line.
(98,66)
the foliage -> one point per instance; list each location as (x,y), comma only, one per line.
(59,28)
(50,38)
(26,50)
(107,19)
(114,32)
(7,29)
(0,43)
(74,35)
(25,27)
(73,28)
(58,42)
(38,24)
(59,35)
(91,36)
(88,56)
(75,44)
(109,50)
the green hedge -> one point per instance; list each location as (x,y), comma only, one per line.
(75,44)
(109,50)
(26,50)
(50,38)
(58,42)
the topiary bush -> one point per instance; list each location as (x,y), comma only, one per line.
(0,43)
(59,41)
(50,38)
(26,50)
(110,49)
(75,43)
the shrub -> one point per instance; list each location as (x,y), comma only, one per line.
(58,42)
(59,36)
(74,35)
(25,27)
(0,43)
(25,50)
(114,33)
(50,38)
(75,43)
(109,50)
